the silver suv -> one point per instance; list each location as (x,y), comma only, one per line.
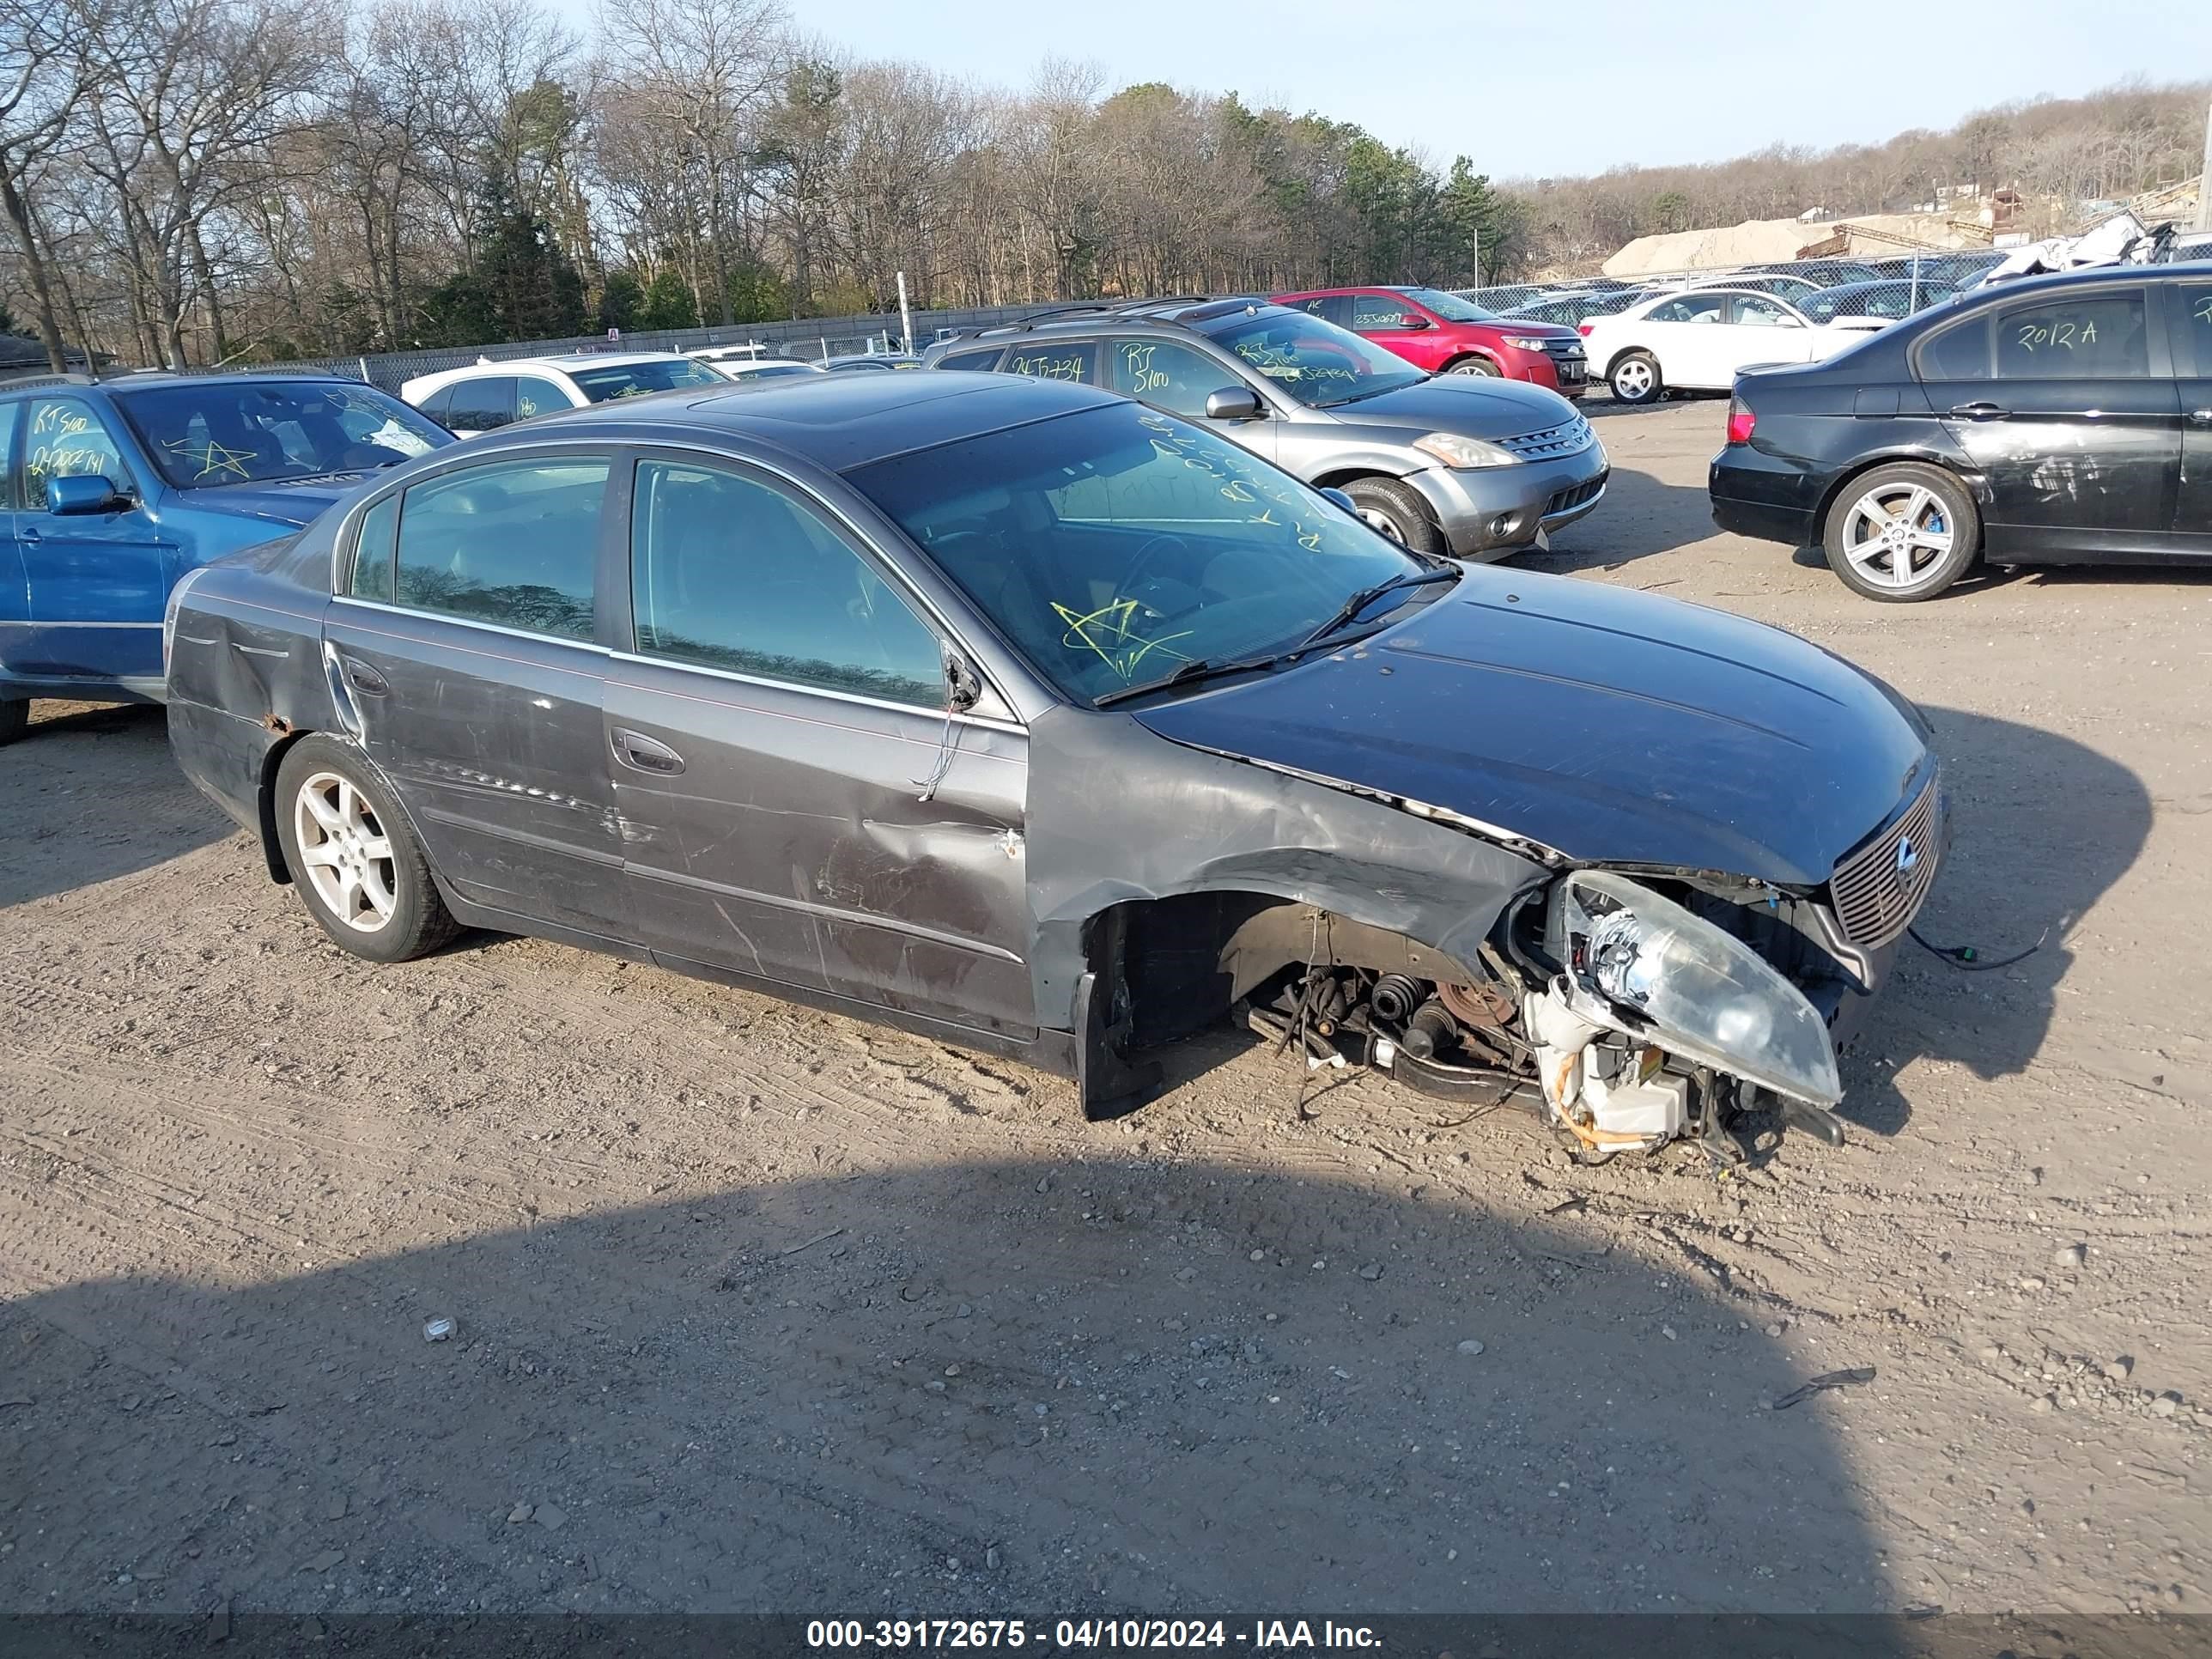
(1476,468)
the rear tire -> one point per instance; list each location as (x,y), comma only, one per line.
(15,718)
(1474,366)
(1394,510)
(1635,379)
(1901,532)
(360,871)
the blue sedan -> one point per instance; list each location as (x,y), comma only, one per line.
(115,489)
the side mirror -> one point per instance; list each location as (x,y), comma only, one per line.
(1411,321)
(1342,501)
(963,687)
(1233,403)
(81,494)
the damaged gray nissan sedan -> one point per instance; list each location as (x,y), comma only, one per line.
(1050,725)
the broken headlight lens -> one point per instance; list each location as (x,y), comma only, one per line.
(1686,986)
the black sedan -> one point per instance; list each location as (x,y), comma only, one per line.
(1046,723)
(2057,420)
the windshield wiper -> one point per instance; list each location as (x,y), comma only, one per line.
(1202,668)
(1367,596)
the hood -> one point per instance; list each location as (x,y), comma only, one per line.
(1528,326)
(1616,726)
(286,505)
(1472,405)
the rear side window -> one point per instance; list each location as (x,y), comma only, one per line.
(372,552)
(970,359)
(516,544)
(1957,353)
(2097,337)
(484,405)
(1058,359)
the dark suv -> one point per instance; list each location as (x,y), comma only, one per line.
(1478,468)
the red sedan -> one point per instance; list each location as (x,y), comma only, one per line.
(1446,335)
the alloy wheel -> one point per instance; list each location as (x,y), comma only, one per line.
(1632,378)
(346,852)
(1896,534)
(1383,524)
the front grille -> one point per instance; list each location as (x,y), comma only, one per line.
(1564,347)
(1565,500)
(1553,442)
(1878,888)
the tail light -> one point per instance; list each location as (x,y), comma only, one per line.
(1742,421)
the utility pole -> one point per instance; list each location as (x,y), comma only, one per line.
(2204,179)
(906,317)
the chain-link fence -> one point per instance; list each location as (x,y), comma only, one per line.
(812,338)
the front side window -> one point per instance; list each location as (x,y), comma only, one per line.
(1112,545)
(601,385)
(728,572)
(2095,337)
(1383,311)
(1450,306)
(1175,378)
(1691,309)
(1317,363)
(1762,312)
(515,544)
(534,396)
(64,438)
(1056,359)
(2196,314)
(246,430)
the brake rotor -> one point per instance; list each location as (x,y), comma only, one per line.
(1477,1005)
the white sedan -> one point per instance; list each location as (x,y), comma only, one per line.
(1700,340)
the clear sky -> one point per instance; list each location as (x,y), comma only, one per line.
(1531,88)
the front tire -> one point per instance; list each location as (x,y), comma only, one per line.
(356,863)
(1481,366)
(1635,379)
(1902,532)
(14,719)
(1394,510)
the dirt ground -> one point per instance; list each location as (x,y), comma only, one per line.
(760,1312)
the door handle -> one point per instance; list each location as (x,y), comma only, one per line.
(29,533)
(365,679)
(1980,412)
(2202,416)
(646,754)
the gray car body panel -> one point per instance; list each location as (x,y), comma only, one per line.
(1374,437)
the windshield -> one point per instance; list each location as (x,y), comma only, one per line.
(1449,306)
(251,431)
(634,380)
(1317,363)
(1113,546)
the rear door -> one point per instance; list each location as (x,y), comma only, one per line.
(798,806)
(467,641)
(96,584)
(2076,428)
(2189,326)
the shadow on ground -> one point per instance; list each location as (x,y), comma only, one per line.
(1107,1384)
(127,807)
(2041,827)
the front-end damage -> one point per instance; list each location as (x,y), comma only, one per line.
(1631,1006)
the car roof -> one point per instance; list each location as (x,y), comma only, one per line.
(1109,315)
(133,379)
(2183,269)
(838,422)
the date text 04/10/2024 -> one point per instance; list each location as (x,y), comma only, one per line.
(1261,1634)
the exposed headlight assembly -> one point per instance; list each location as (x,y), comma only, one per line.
(1645,966)
(1453,450)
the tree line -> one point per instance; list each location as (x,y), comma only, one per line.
(207,181)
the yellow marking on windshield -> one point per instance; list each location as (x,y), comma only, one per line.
(1106,632)
(211,458)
